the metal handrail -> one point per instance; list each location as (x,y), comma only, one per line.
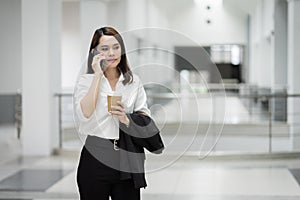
(255,96)
(18,110)
(60,95)
(172,95)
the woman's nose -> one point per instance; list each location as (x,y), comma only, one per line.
(111,52)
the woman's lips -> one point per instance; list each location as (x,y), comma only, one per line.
(111,60)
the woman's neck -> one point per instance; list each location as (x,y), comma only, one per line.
(112,73)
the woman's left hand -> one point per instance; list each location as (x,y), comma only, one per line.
(119,112)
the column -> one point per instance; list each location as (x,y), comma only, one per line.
(280,43)
(41,50)
(294,71)
(279,76)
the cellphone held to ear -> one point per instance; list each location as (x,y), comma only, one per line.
(95,52)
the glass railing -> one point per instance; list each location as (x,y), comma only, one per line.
(217,118)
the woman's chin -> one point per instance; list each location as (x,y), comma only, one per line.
(112,65)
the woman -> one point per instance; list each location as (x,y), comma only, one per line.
(98,174)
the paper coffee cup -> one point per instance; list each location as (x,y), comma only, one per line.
(112,99)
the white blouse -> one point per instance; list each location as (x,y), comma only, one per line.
(101,123)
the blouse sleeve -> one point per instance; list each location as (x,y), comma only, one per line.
(81,90)
(141,99)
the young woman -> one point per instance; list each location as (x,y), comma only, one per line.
(98,174)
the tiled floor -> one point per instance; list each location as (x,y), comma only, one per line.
(187,178)
(169,178)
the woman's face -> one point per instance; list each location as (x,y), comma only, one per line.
(111,49)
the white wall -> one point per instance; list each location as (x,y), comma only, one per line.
(71,43)
(117,15)
(137,14)
(11,45)
(262,44)
(93,15)
(149,24)
(80,20)
(156,17)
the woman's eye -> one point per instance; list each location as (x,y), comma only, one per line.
(116,47)
(104,49)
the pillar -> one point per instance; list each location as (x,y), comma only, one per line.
(41,50)
(294,71)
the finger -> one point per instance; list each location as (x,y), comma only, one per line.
(102,58)
(117,113)
(97,57)
(120,104)
(118,108)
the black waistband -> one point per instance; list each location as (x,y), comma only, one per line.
(100,142)
(113,140)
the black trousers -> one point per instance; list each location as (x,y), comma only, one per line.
(97,177)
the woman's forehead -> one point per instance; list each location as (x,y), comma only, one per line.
(108,40)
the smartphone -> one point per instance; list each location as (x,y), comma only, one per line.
(95,52)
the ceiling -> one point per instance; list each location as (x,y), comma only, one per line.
(172,7)
(104,1)
(246,6)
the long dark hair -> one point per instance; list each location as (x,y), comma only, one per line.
(123,66)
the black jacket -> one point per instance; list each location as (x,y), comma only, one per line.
(141,133)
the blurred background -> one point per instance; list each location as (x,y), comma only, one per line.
(221,78)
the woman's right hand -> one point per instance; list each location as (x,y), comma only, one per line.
(96,63)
